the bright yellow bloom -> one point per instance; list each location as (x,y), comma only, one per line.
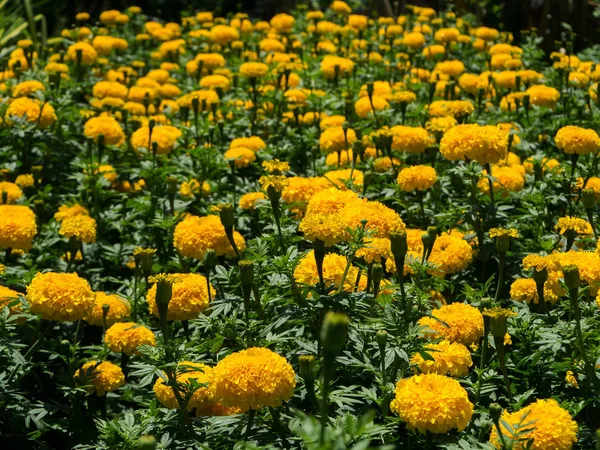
(17,227)
(102,377)
(60,296)
(252,379)
(457,322)
(449,358)
(572,139)
(416,178)
(189,299)
(80,227)
(119,309)
(126,337)
(432,403)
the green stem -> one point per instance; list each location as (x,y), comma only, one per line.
(501,261)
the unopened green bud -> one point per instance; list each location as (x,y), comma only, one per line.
(334,332)
(381,337)
(146,442)
(246,272)
(306,364)
(588,198)
(495,412)
(399,245)
(171,185)
(226,215)
(377,275)
(571,276)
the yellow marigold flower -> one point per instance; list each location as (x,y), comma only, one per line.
(126,337)
(485,144)
(80,227)
(331,122)
(241,157)
(194,235)
(82,16)
(333,270)
(571,378)
(452,68)
(2,269)
(507,179)
(363,106)
(380,219)
(343,176)
(276,166)
(119,309)
(432,403)
(202,398)
(409,139)
(192,188)
(446,35)
(449,358)
(403,97)
(223,34)
(8,296)
(413,40)
(87,52)
(487,34)
(65,212)
(457,322)
(254,69)
(27,88)
(102,377)
(108,17)
(568,223)
(325,227)
(544,96)
(32,110)
(433,51)
(300,190)
(189,299)
(386,163)
(165,137)
(103,89)
(17,227)
(60,296)
(340,7)
(249,200)
(12,191)
(253,143)
(440,124)
(572,139)
(500,232)
(358,21)
(330,62)
(214,82)
(334,139)
(104,126)
(276,182)
(416,178)
(547,425)
(252,379)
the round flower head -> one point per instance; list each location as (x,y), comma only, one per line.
(8,296)
(240,156)
(456,322)
(432,403)
(543,422)
(506,180)
(223,34)
(82,53)
(283,23)
(344,177)
(193,188)
(31,110)
(252,379)
(60,296)
(250,200)
(484,144)
(102,377)
(331,62)
(572,139)
(573,224)
(194,235)
(416,178)
(105,126)
(65,211)
(112,89)
(81,228)
(449,358)
(409,139)
(126,337)
(17,227)
(543,96)
(12,191)
(190,297)
(253,143)
(363,106)
(333,271)
(324,227)
(214,82)
(119,309)
(335,140)
(164,136)
(254,69)
(27,88)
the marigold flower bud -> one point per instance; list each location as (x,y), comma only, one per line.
(334,333)
(572,279)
